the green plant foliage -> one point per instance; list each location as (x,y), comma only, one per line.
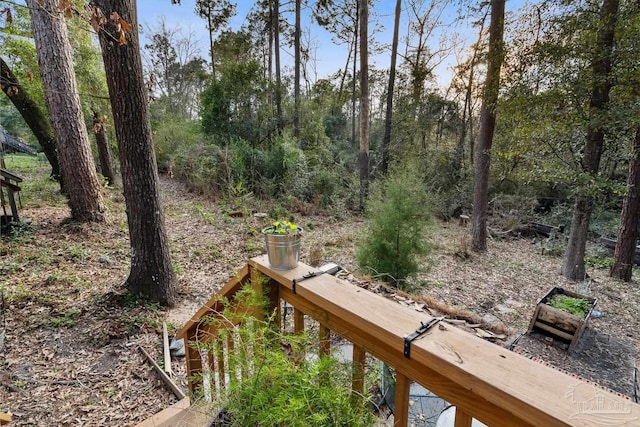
(171,136)
(599,261)
(393,239)
(283,388)
(576,306)
(283,227)
(65,320)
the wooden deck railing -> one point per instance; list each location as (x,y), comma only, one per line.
(484,381)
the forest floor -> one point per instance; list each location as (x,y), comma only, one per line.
(72,334)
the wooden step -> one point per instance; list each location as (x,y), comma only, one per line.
(179,414)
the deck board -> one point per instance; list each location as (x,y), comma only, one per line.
(451,362)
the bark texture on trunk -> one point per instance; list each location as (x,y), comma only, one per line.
(63,102)
(573,265)
(104,152)
(623,257)
(151,272)
(34,118)
(487,125)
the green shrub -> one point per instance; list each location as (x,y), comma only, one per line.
(171,136)
(281,388)
(397,214)
(202,167)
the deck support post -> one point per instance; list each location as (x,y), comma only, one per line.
(401,404)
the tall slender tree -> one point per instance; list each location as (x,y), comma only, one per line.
(276,48)
(151,271)
(467,108)
(355,73)
(364,101)
(63,102)
(217,14)
(296,82)
(388,120)
(340,18)
(487,125)
(573,265)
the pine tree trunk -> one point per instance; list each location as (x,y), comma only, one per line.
(34,118)
(296,113)
(151,269)
(104,152)
(573,266)
(388,119)
(353,81)
(487,125)
(276,47)
(63,103)
(622,267)
(364,102)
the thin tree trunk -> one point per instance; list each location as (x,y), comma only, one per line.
(388,119)
(296,113)
(338,102)
(270,60)
(34,118)
(364,102)
(487,125)
(622,267)
(104,152)
(63,102)
(573,266)
(276,41)
(151,271)
(466,111)
(213,62)
(353,83)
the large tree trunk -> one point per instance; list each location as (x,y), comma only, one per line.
(364,102)
(487,125)
(151,269)
(624,255)
(34,118)
(296,113)
(573,265)
(63,102)
(104,152)
(388,119)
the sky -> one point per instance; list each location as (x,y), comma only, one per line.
(329,57)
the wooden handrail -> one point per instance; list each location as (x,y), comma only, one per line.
(484,381)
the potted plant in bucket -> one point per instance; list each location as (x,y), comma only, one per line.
(282,239)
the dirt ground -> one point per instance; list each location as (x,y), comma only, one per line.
(72,335)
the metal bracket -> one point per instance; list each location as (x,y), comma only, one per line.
(305,277)
(330,268)
(422,329)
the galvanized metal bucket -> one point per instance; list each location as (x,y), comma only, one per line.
(283,250)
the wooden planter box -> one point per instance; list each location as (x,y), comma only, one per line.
(559,323)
